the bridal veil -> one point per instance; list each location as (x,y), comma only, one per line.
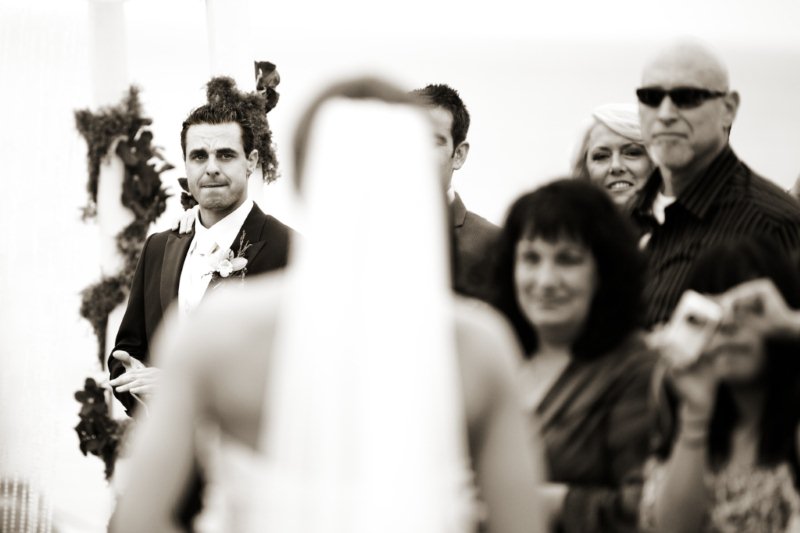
(364,427)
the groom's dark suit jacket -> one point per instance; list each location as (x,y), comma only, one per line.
(155,283)
(155,287)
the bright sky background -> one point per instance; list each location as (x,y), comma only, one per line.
(530,72)
(772,22)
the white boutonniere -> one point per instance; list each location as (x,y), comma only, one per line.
(225,264)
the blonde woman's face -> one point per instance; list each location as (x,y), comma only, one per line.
(616,163)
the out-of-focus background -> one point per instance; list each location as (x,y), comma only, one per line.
(529,72)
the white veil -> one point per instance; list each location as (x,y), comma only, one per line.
(364,421)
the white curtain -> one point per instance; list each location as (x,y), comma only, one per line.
(47,256)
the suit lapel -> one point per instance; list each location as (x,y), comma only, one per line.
(251,230)
(174,255)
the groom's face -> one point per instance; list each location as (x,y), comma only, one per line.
(217,167)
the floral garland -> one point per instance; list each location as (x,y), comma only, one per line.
(99,434)
(143,193)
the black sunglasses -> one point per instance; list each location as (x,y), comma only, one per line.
(682,97)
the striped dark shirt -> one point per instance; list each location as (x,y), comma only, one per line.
(728,202)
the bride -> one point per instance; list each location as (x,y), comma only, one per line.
(354,392)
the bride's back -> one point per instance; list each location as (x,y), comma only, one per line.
(234,340)
(232,353)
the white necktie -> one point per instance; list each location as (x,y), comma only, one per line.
(199,265)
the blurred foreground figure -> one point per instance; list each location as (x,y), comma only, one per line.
(727,454)
(354,393)
(570,280)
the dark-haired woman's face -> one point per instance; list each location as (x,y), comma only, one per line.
(736,350)
(555,283)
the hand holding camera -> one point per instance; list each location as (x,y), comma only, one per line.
(690,329)
(759,304)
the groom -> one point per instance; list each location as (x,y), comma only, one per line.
(220,153)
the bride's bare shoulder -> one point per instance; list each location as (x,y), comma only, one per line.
(488,352)
(483,333)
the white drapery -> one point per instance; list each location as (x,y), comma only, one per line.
(48,255)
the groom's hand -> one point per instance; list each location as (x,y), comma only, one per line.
(137,379)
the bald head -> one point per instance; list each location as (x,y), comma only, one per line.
(685,130)
(687,64)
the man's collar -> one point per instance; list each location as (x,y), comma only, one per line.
(224,231)
(701,193)
(459,210)
(660,205)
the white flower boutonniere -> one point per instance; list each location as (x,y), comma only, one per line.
(224,264)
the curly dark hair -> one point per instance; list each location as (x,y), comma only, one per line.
(441,95)
(716,270)
(580,211)
(226,103)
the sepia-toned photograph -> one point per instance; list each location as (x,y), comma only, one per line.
(422,266)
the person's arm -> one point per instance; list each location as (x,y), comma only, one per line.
(132,334)
(507,455)
(589,508)
(682,499)
(163,447)
(185,222)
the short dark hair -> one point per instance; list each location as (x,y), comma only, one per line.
(578,210)
(227,104)
(441,95)
(716,270)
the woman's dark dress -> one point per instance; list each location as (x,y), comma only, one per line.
(595,422)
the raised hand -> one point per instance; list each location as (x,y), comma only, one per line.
(759,304)
(697,386)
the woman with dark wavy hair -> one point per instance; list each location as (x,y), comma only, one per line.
(727,449)
(569,279)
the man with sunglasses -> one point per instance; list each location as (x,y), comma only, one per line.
(707,194)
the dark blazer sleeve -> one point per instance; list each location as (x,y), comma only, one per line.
(606,509)
(132,333)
